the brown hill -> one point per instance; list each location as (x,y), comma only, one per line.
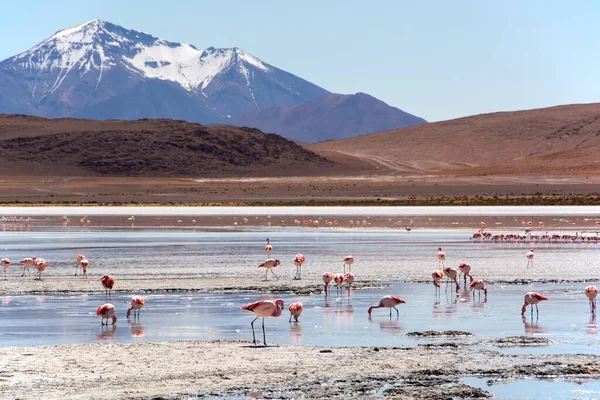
(38,146)
(555,140)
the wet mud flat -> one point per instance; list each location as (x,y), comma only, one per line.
(237,369)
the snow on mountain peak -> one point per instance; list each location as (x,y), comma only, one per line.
(99,45)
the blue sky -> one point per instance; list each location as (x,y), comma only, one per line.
(436,59)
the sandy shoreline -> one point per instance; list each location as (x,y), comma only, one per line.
(215,369)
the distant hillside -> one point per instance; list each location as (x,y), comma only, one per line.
(38,146)
(563,139)
(330,117)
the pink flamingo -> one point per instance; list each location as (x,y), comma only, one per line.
(339,280)
(264,309)
(79,258)
(452,275)
(295,311)
(349,280)
(591,292)
(107,283)
(348,260)
(6,263)
(327,277)
(40,266)
(84,264)
(465,270)
(441,257)
(27,263)
(107,311)
(268,265)
(530,256)
(268,247)
(407,228)
(136,305)
(478,284)
(437,277)
(298,261)
(388,302)
(532,299)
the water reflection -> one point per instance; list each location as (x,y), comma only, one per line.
(392,326)
(295,332)
(591,326)
(137,329)
(531,327)
(107,332)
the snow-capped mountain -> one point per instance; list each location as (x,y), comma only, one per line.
(101,70)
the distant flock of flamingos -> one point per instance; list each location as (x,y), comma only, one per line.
(273,308)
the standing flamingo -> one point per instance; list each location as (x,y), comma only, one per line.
(465,270)
(327,277)
(348,260)
(530,258)
(27,263)
(268,247)
(107,282)
(349,280)
(107,311)
(388,302)
(339,280)
(136,305)
(6,263)
(298,261)
(295,310)
(532,299)
(264,309)
(79,258)
(478,284)
(40,266)
(268,265)
(591,292)
(441,257)
(452,275)
(84,264)
(437,277)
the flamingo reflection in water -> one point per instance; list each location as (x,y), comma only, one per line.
(107,332)
(592,329)
(295,332)
(532,327)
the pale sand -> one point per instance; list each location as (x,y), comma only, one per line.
(174,369)
(137,284)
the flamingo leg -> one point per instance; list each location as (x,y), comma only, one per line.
(300,272)
(290,318)
(537,311)
(274,274)
(264,335)
(390,313)
(253,335)
(344,268)
(267,274)
(397,312)
(76,268)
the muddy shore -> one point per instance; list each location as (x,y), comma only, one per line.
(231,369)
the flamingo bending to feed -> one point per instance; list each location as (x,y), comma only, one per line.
(478,284)
(298,261)
(339,280)
(349,280)
(591,292)
(327,277)
(268,247)
(136,305)
(27,263)
(107,311)
(264,309)
(6,263)
(295,310)
(452,275)
(441,256)
(40,266)
(84,264)
(268,265)
(532,299)
(465,270)
(388,302)
(530,258)
(107,283)
(348,260)
(437,278)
